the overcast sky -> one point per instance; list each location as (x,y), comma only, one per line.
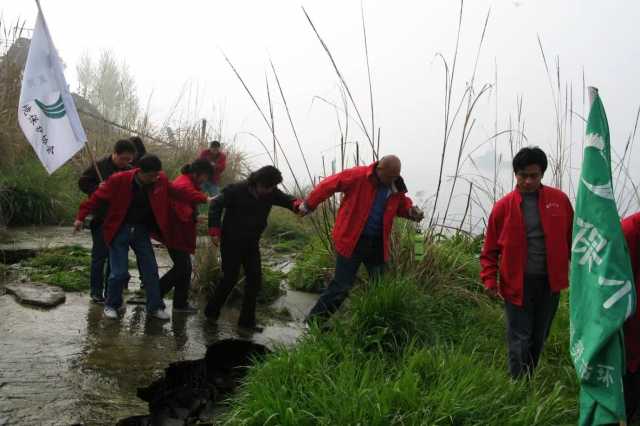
(168,45)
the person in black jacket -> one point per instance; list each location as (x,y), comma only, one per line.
(120,160)
(247,205)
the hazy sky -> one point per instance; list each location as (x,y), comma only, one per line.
(168,45)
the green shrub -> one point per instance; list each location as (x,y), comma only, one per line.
(427,348)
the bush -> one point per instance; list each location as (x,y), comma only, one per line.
(285,232)
(313,268)
(412,351)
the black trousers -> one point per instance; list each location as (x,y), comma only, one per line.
(236,254)
(528,325)
(632,396)
(370,251)
(178,278)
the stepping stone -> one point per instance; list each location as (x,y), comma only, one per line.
(37,294)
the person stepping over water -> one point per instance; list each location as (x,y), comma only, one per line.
(181,242)
(138,202)
(246,206)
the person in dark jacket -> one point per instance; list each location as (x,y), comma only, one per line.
(373,196)
(181,241)
(525,258)
(120,160)
(140,149)
(138,208)
(246,207)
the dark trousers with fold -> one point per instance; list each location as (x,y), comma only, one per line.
(632,396)
(370,251)
(528,325)
(236,254)
(178,278)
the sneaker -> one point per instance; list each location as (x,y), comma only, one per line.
(110,313)
(160,314)
(97,300)
(188,309)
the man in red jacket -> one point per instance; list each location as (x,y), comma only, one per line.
(631,230)
(525,258)
(138,202)
(218,160)
(373,196)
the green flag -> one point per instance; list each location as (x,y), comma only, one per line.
(601,296)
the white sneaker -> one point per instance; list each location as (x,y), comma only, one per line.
(160,314)
(110,313)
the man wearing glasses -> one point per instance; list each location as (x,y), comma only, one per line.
(525,258)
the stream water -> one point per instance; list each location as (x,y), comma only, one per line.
(69,365)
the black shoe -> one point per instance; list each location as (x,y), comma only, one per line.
(97,300)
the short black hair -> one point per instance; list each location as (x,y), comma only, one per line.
(527,156)
(139,145)
(150,163)
(267,176)
(198,167)
(124,145)
(214,144)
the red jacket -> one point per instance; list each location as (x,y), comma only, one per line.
(117,192)
(359,186)
(631,230)
(505,245)
(182,232)
(220,163)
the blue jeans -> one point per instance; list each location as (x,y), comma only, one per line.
(370,251)
(99,257)
(136,236)
(211,188)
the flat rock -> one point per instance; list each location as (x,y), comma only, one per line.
(37,294)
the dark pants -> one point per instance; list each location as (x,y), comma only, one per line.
(528,325)
(632,395)
(177,278)
(370,251)
(138,237)
(234,255)
(99,257)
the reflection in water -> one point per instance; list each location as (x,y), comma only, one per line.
(70,365)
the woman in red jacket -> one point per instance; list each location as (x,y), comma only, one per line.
(182,234)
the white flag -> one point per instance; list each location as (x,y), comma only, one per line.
(47,113)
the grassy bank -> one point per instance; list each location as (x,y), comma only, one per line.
(424,346)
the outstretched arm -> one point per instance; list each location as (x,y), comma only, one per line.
(326,188)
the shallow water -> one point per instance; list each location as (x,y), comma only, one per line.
(69,365)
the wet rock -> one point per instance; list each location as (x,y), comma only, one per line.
(9,256)
(36,294)
(190,388)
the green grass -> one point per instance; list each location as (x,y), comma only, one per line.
(66,267)
(425,347)
(29,196)
(313,268)
(287,233)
